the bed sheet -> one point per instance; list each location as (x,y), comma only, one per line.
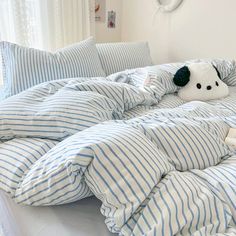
(81,218)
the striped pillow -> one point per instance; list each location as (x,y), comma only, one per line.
(121,56)
(25,67)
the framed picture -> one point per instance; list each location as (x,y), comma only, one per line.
(100,10)
(111,19)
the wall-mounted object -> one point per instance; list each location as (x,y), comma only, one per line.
(100,10)
(111,19)
(170,6)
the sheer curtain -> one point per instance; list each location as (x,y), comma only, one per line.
(46,24)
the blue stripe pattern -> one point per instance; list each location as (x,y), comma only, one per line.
(57,177)
(160,170)
(180,204)
(17,156)
(221,180)
(162,75)
(59,109)
(25,67)
(187,144)
(56,116)
(117,57)
(128,156)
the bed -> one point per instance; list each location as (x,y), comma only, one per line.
(121,154)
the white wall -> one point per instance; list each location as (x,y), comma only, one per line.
(198,29)
(104,34)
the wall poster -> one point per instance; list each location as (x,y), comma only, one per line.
(111,19)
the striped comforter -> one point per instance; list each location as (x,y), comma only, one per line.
(160,166)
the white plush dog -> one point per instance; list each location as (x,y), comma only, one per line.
(201,82)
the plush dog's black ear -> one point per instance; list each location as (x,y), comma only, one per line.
(218,73)
(182,76)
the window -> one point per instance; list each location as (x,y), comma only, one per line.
(45,24)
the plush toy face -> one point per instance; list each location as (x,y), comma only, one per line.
(201,82)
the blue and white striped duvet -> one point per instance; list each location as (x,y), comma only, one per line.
(160,170)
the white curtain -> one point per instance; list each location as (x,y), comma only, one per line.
(46,24)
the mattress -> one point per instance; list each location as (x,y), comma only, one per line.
(81,218)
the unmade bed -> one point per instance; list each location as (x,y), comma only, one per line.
(159,166)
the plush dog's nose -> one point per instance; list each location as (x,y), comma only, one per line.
(209,87)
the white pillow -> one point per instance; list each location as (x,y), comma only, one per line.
(200,81)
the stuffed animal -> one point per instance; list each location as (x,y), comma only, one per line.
(200,81)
